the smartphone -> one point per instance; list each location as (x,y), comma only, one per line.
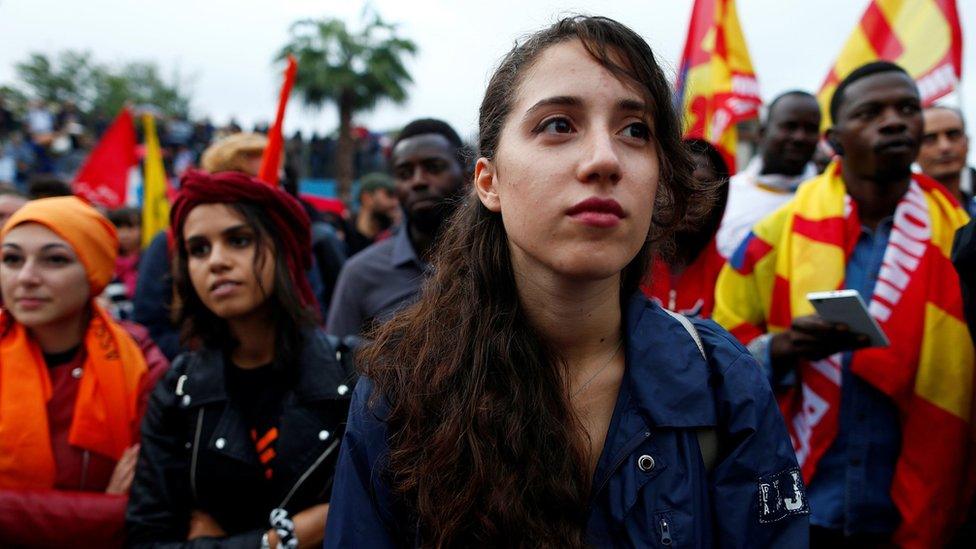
(847,307)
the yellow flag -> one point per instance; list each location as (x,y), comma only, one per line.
(923,36)
(155,207)
(717,87)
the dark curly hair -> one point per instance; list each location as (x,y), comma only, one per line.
(485,448)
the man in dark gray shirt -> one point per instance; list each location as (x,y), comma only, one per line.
(429,172)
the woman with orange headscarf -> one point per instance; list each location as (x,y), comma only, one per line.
(73,383)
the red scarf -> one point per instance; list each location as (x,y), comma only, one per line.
(928,369)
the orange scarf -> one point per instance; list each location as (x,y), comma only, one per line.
(105,419)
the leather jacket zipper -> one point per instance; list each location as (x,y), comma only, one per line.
(298,483)
(196,450)
(308,472)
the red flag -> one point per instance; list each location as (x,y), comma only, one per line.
(272,153)
(923,36)
(717,86)
(104,177)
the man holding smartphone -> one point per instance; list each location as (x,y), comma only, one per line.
(864,420)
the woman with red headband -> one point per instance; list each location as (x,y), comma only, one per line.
(240,437)
(73,382)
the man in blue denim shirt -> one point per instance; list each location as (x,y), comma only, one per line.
(850,492)
(877,131)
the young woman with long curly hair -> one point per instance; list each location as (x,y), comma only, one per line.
(533,396)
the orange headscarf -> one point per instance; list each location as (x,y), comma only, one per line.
(105,414)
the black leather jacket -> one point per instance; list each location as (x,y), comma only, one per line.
(197,453)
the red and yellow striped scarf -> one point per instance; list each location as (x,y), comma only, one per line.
(928,369)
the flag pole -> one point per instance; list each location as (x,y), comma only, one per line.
(271,159)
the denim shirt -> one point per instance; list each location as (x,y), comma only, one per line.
(851,490)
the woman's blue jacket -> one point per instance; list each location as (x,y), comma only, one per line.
(652,487)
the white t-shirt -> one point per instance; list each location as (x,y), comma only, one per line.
(751,198)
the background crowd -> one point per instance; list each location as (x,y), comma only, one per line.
(42,139)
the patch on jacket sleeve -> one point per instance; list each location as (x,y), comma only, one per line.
(782,495)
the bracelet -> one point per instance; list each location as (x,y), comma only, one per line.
(284,527)
(265,542)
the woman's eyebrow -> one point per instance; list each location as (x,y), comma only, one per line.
(227,231)
(235,228)
(632,105)
(53,245)
(44,248)
(558,100)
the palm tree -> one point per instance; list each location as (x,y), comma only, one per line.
(352,70)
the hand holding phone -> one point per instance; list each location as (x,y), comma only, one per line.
(846,307)
(812,338)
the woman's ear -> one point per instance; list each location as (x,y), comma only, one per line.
(485,184)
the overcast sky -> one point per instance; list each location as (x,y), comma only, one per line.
(225,48)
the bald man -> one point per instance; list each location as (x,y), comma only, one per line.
(943,153)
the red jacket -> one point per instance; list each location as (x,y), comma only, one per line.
(690,293)
(76,512)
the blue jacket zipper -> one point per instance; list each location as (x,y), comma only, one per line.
(665,531)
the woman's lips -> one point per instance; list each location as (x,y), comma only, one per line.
(600,220)
(30,303)
(603,213)
(224,288)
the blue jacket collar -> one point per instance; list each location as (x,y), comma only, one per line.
(668,381)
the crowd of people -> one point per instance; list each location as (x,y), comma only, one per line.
(578,331)
(51,140)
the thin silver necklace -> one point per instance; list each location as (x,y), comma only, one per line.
(598,372)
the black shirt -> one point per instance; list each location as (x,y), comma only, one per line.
(258,393)
(356,241)
(56,359)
